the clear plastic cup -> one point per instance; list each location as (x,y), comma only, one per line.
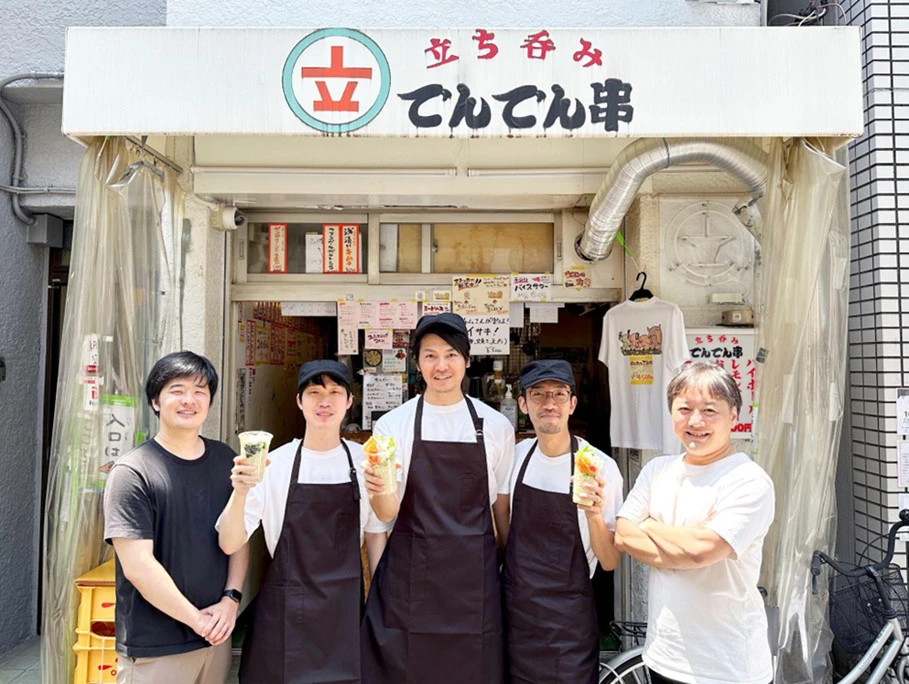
(254,449)
(587,465)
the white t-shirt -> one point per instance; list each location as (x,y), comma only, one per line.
(643,344)
(266,502)
(452,424)
(708,625)
(552,474)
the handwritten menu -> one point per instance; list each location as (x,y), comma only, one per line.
(489,335)
(531,287)
(277,248)
(379,339)
(381,392)
(348,318)
(369,315)
(407,315)
(577,277)
(480,294)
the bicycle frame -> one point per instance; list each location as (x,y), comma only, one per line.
(891,641)
(610,667)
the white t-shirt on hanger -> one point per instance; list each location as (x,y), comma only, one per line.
(643,345)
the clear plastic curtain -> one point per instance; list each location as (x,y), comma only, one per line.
(122,312)
(803,334)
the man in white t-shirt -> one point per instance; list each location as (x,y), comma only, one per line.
(554,544)
(699,520)
(434,607)
(314,513)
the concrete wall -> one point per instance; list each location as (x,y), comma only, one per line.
(32,39)
(467,13)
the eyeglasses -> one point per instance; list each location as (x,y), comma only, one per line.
(560,396)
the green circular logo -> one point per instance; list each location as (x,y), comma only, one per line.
(324,91)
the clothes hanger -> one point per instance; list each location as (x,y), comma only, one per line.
(642,293)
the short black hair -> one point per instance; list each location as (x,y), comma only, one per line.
(456,340)
(181,364)
(320,380)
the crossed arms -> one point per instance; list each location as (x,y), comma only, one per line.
(670,547)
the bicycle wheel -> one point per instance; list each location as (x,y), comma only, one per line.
(632,671)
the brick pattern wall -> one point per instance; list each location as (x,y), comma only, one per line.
(879,286)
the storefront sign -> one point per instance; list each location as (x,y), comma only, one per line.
(480,294)
(531,287)
(734,350)
(465,82)
(277,248)
(489,335)
(118,413)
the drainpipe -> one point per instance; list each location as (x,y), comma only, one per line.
(642,158)
(15,187)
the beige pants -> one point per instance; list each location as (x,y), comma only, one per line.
(207,665)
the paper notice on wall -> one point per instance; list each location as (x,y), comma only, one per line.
(733,349)
(277,248)
(407,315)
(90,354)
(903,455)
(348,318)
(489,335)
(531,287)
(577,277)
(308,309)
(350,248)
(902,411)
(516,315)
(118,417)
(90,394)
(388,315)
(331,248)
(250,343)
(382,392)
(240,399)
(394,360)
(313,253)
(544,313)
(341,248)
(480,294)
(435,308)
(379,339)
(441,295)
(369,315)
(262,344)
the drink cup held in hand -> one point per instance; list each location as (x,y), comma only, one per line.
(254,448)
(587,465)
(380,455)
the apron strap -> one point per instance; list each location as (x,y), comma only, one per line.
(574,448)
(353,472)
(521,472)
(477,422)
(295,469)
(475,419)
(418,422)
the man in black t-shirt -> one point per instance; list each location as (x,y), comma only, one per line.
(177,592)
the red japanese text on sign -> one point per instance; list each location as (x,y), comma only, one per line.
(439,48)
(593,55)
(538,45)
(487,48)
(336,69)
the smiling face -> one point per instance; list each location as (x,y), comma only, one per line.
(183,403)
(541,403)
(325,405)
(443,368)
(704,424)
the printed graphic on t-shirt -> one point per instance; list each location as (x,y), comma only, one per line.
(640,348)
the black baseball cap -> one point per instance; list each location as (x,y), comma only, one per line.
(546,369)
(313,369)
(427,324)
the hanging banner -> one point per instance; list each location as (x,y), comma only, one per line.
(731,348)
(531,287)
(480,294)
(331,248)
(277,248)
(340,248)
(489,335)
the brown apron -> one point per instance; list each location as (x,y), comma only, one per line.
(434,612)
(305,628)
(550,615)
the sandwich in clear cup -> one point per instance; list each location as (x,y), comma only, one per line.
(587,465)
(254,449)
(380,456)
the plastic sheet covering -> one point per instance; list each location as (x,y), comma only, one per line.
(803,333)
(122,313)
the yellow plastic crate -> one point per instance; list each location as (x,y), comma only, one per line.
(95,648)
(96,665)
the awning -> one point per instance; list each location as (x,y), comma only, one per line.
(558,83)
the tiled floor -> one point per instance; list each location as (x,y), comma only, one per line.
(21,664)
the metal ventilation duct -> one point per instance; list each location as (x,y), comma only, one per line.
(742,158)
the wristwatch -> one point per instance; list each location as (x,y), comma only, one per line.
(233,594)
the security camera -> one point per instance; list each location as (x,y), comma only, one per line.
(231,218)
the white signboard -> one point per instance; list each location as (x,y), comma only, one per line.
(381,392)
(489,335)
(732,348)
(465,82)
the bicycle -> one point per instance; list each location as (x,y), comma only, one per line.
(628,666)
(868,609)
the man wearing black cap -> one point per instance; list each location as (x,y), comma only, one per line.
(314,514)
(434,609)
(553,543)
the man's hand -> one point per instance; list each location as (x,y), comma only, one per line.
(592,492)
(203,623)
(243,477)
(223,617)
(375,485)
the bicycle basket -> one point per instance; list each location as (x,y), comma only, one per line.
(855,610)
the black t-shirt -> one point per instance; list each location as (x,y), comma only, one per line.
(153,494)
